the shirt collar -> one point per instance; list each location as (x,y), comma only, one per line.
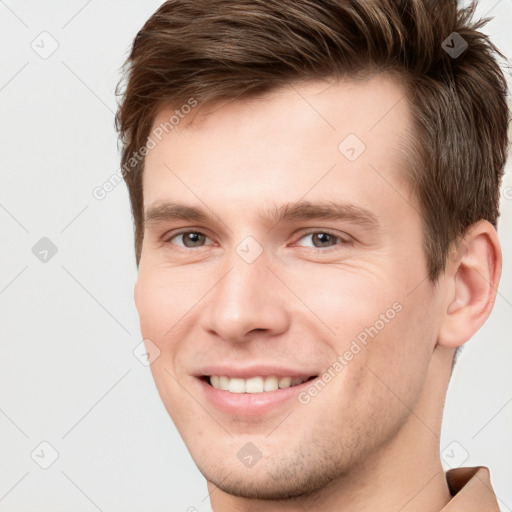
(471,490)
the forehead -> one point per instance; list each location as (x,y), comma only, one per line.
(304,139)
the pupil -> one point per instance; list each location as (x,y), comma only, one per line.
(322,239)
(192,239)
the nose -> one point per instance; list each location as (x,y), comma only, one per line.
(246,301)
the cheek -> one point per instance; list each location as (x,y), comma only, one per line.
(164,296)
(161,303)
(345,301)
(151,303)
(398,357)
(382,335)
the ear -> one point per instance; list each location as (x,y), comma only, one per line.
(473,275)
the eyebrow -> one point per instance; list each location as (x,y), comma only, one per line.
(329,210)
(164,211)
(302,210)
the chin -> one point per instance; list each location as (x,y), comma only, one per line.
(277,478)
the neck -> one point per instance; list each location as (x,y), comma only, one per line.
(405,474)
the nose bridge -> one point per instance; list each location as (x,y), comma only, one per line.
(245,299)
(242,284)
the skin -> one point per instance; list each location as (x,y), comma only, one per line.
(370,439)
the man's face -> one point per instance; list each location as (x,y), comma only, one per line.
(246,273)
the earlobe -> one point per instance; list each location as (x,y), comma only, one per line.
(473,275)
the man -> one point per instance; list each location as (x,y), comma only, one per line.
(315,192)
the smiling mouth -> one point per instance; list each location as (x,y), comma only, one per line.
(253,384)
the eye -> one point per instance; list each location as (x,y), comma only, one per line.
(320,239)
(189,239)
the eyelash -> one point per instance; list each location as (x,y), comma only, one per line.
(340,240)
(167,239)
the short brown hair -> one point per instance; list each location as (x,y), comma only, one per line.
(213,50)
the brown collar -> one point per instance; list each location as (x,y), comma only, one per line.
(471,490)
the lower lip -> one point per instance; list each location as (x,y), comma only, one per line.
(250,404)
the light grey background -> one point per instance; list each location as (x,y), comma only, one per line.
(68,375)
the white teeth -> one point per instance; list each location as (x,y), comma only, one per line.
(254,384)
(223,383)
(271,384)
(285,382)
(237,385)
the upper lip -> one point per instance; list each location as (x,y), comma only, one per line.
(246,372)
